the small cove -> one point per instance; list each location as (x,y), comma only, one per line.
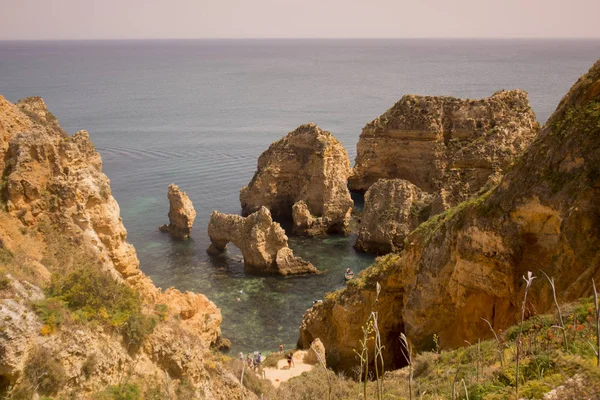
(199,114)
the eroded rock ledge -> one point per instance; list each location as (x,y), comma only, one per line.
(467,263)
(302,177)
(181,214)
(445,146)
(262,242)
(393,208)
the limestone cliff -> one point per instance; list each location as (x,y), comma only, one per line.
(57,206)
(445,146)
(468,262)
(181,214)
(306,171)
(262,242)
(393,209)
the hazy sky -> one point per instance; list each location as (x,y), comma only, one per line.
(108,19)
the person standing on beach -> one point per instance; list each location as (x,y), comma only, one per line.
(281,348)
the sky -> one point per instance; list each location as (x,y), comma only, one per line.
(147,19)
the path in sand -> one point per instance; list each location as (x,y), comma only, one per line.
(282,373)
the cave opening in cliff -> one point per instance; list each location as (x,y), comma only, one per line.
(394,349)
(4,384)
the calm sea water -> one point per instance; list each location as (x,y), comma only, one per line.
(199,113)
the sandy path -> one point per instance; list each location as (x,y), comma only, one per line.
(282,373)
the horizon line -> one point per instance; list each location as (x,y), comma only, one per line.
(309,38)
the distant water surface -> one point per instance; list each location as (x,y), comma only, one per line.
(198,113)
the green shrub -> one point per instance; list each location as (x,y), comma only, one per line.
(137,328)
(251,380)
(536,322)
(5,255)
(162,311)
(481,391)
(127,391)
(43,372)
(89,366)
(5,283)
(272,359)
(53,312)
(93,295)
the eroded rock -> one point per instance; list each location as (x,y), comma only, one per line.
(316,353)
(302,177)
(393,208)
(181,214)
(443,145)
(261,240)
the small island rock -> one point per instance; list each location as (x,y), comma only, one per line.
(181,214)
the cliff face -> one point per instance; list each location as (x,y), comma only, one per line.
(306,171)
(468,262)
(262,242)
(393,209)
(54,183)
(181,214)
(445,146)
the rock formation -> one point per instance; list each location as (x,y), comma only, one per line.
(181,214)
(303,177)
(446,146)
(315,352)
(53,191)
(393,208)
(467,263)
(262,242)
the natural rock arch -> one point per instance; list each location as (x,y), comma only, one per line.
(262,242)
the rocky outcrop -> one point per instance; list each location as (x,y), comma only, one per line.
(181,214)
(302,177)
(53,191)
(316,353)
(467,263)
(393,208)
(445,146)
(262,241)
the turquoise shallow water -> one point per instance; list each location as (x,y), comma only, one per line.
(199,113)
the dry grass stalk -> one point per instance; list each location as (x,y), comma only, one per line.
(407,353)
(528,281)
(322,362)
(500,349)
(597,310)
(562,325)
(370,332)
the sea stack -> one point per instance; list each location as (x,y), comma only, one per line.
(261,240)
(446,146)
(303,178)
(181,214)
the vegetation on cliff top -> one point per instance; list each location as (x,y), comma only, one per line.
(476,372)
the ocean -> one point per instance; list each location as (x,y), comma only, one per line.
(198,113)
